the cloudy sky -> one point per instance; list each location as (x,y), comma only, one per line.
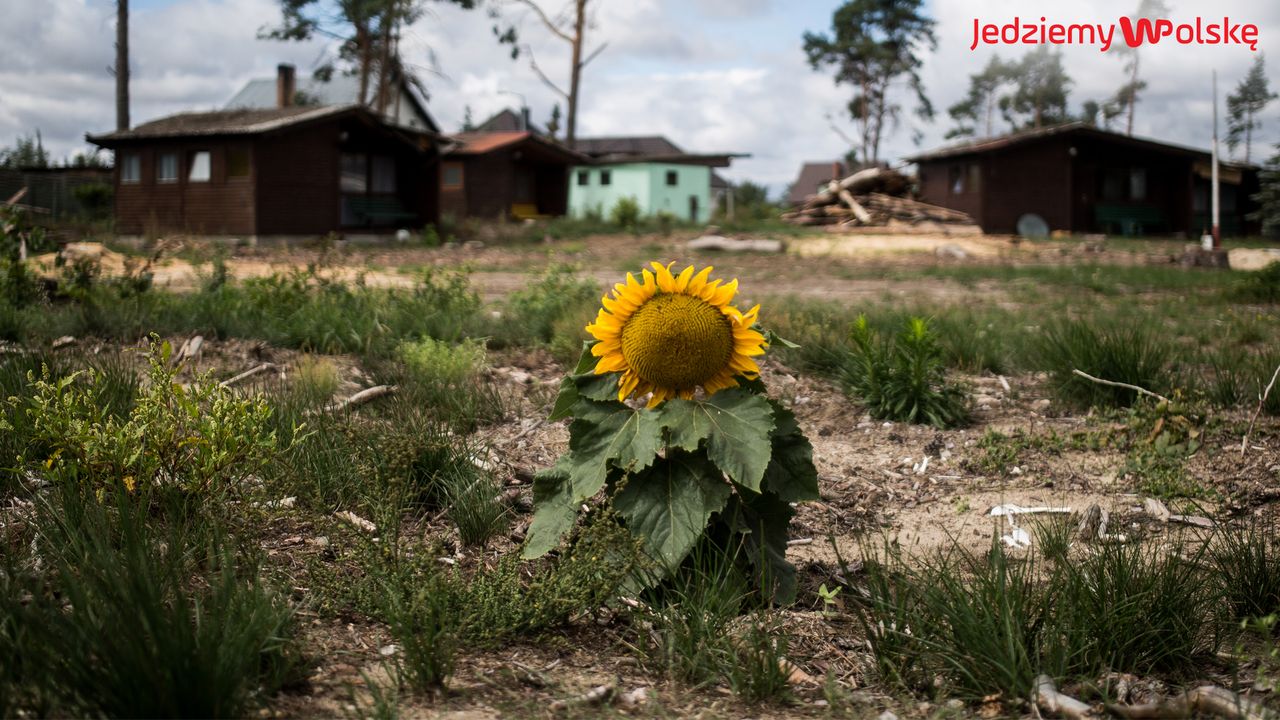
(713,75)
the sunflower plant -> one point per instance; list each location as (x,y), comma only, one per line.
(672,422)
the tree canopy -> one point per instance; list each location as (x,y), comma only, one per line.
(873,44)
(1251,97)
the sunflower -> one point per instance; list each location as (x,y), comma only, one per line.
(671,334)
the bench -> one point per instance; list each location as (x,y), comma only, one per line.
(1129,219)
(370,210)
(526,211)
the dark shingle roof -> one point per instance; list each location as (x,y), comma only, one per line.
(812,176)
(223,122)
(974,147)
(507,120)
(627,147)
(340,89)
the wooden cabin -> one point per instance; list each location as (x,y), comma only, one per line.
(1082,179)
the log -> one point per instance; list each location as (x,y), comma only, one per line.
(1051,701)
(859,212)
(361,398)
(248,374)
(724,244)
(1206,699)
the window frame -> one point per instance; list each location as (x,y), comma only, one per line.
(584,178)
(133,160)
(248,164)
(161,178)
(606,177)
(444,176)
(193,164)
(371,183)
(673,178)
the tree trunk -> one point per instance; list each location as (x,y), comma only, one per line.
(389,15)
(1248,132)
(366,57)
(122,64)
(1133,91)
(575,72)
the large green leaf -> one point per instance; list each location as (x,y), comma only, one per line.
(791,474)
(583,383)
(604,434)
(735,424)
(668,505)
(762,522)
(555,513)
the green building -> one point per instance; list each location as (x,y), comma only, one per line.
(661,178)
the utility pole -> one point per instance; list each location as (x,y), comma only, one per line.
(1217,238)
(122,64)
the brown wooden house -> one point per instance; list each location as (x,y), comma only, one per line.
(506,175)
(1083,179)
(284,171)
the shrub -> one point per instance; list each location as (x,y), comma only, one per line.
(1246,566)
(200,439)
(625,213)
(441,364)
(446,379)
(94,198)
(903,379)
(115,626)
(538,310)
(1130,355)
(426,629)
(1133,607)
(1259,286)
(988,622)
(315,378)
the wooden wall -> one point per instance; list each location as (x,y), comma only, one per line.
(221,206)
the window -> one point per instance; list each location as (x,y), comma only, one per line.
(200,167)
(584,177)
(238,163)
(452,179)
(1113,181)
(975,177)
(956,175)
(130,168)
(673,178)
(606,177)
(167,168)
(1138,184)
(384,174)
(355,172)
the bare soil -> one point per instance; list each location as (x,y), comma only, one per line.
(874,480)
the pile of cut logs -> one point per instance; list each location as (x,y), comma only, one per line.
(876,197)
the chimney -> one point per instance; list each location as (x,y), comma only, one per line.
(285,85)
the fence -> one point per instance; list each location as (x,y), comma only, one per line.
(53,190)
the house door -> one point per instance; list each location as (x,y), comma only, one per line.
(693,208)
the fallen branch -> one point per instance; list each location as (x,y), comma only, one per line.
(361,398)
(1262,400)
(1126,386)
(1206,699)
(1051,701)
(248,374)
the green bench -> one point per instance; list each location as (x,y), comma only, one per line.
(1129,219)
(378,211)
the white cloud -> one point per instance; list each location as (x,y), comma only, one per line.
(713,75)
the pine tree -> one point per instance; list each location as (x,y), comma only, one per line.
(977,108)
(1269,198)
(872,44)
(1251,97)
